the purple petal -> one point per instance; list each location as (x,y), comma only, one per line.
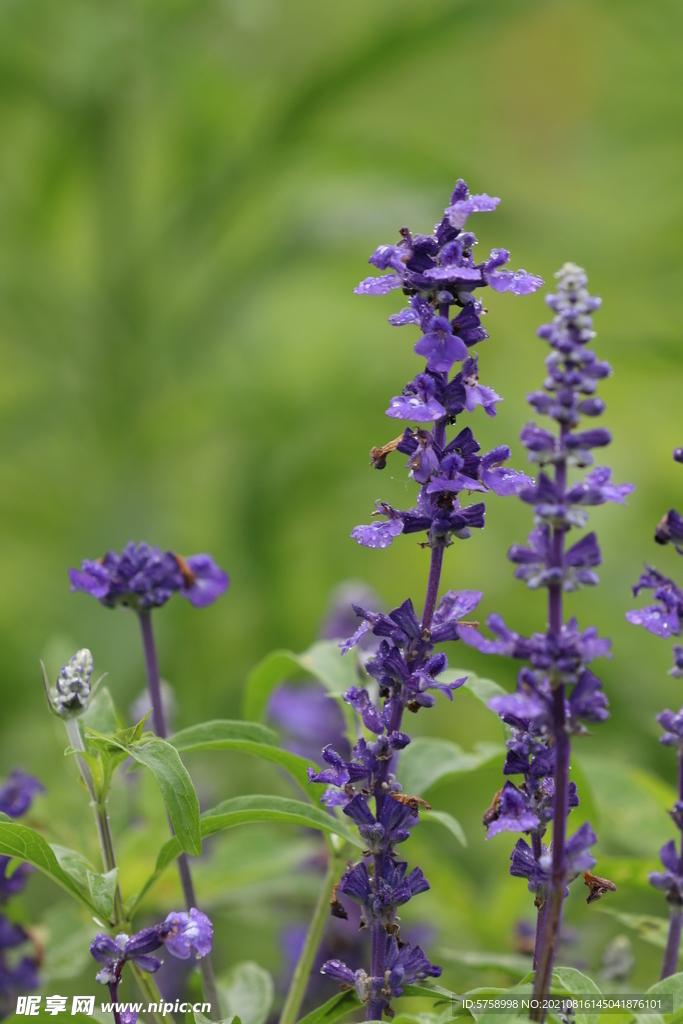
(411,407)
(518,282)
(206,581)
(505,481)
(377,535)
(406,316)
(379,285)
(459,212)
(656,619)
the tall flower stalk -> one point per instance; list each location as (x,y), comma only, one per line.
(437,272)
(558,693)
(143,578)
(663,618)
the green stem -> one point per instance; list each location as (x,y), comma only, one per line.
(302,971)
(99,807)
(148,988)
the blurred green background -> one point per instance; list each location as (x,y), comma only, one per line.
(189,191)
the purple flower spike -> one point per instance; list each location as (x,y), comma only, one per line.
(437,272)
(17,793)
(143,577)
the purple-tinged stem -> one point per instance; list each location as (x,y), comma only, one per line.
(553,910)
(435,567)
(537,849)
(154,684)
(114,997)
(673,940)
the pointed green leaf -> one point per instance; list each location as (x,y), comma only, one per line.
(649,928)
(513,963)
(243,810)
(336,1008)
(102,891)
(207,734)
(247,992)
(673,985)
(336,671)
(448,821)
(428,760)
(436,992)
(173,780)
(251,738)
(577,984)
(74,863)
(22,842)
(323,660)
(100,715)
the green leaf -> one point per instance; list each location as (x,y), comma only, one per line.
(102,891)
(67,947)
(632,804)
(323,660)
(247,992)
(100,715)
(673,985)
(577,984)
(201,1019)
(251,738)
(339,1006)
(651,929)
(243,810)
(448,821)
(74,863)
(513,963)
(482,689)
(436,992)
(22,842)
(428,760)
(176,787)
(207,734)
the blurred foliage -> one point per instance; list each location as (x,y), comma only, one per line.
(189,190)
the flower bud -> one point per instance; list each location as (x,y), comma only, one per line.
(72,689)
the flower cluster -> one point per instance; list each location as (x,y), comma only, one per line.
(663,618)
(437,271)
(183,935)
(557,695)
(16,975)
(144,577)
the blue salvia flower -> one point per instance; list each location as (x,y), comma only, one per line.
(145,577)
(663,618)
(183,934)
(437,272)
(558,694)
(17,975)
